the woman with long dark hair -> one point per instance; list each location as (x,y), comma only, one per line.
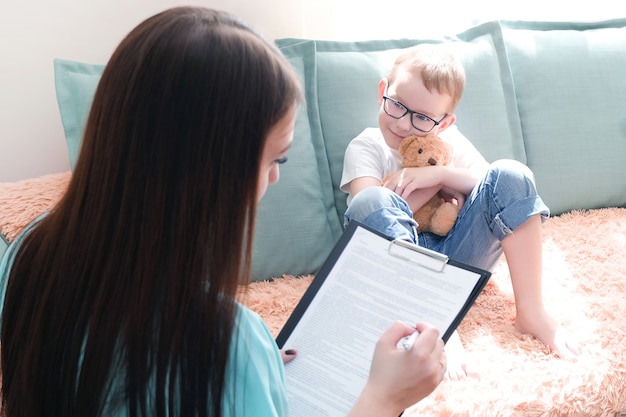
(121,300)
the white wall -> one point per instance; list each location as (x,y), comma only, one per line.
(34,32)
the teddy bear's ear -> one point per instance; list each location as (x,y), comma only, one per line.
(406,142)
(443,145)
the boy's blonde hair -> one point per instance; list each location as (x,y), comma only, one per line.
(436,65)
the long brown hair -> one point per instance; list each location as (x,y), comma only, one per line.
(125,291)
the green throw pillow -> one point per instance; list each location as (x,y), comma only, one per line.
(297,225)
(75,84)
(571,94)
(4,244)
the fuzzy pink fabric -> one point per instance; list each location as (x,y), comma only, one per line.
(22,201)
(584,287)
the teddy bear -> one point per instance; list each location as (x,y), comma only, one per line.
(437,215)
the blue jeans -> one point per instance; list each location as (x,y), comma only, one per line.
(501,202)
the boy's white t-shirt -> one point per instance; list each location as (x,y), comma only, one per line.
(368,155)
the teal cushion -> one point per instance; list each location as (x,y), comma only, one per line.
(571,92)
(75,84)
(4,244)
(344,93)
(297,224)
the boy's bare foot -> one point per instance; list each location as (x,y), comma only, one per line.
(455,357)
(540,325)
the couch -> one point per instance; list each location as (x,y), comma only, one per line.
(549,94)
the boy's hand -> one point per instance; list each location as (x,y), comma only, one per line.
(453,196)
(407,180)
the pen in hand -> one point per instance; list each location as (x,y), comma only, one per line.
(407,342)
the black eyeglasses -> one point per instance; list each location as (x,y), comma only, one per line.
(419,121)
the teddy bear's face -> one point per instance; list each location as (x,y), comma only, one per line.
(419,151)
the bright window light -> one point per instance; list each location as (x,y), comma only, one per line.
(376,19)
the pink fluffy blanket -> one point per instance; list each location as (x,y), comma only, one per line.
(584,287)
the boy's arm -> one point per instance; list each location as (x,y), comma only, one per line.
(419,197)
(461,179)
(415,200)
(418,185)
(358,184)
(408,180)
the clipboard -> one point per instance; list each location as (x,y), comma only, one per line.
(421,257)
(367,282)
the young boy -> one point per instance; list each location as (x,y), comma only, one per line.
(500,209)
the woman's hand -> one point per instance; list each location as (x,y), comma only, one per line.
(288,355)
(400,378)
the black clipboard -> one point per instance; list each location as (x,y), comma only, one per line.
(421,257)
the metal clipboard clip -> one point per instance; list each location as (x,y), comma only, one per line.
(427,258)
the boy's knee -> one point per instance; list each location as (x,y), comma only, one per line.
(510,170)
(372,199)
(372,195)
(513,174)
